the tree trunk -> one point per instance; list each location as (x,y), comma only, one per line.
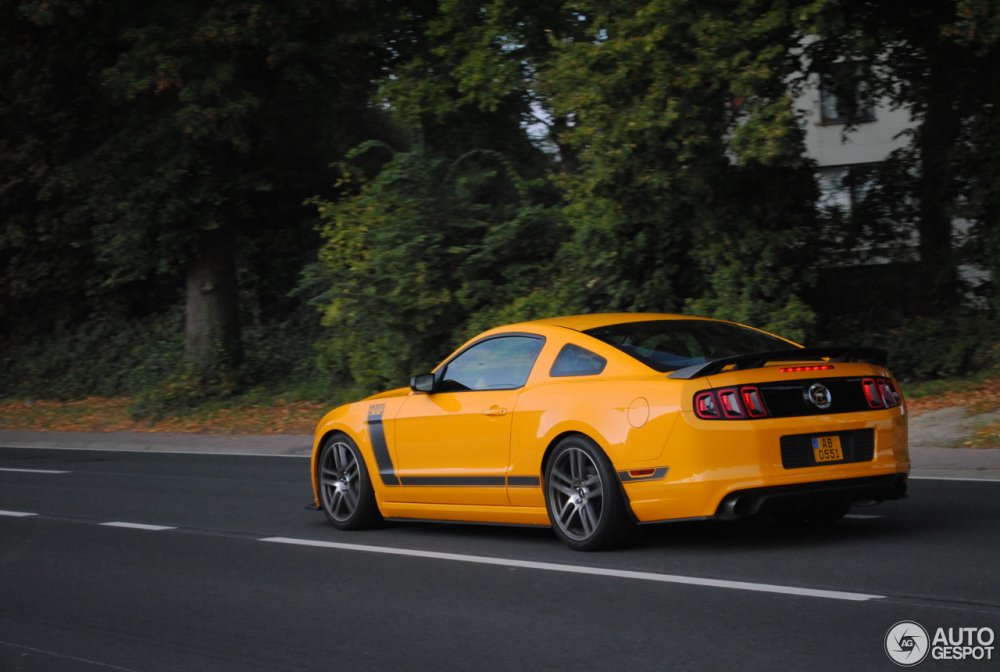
(212,328)
(936,138)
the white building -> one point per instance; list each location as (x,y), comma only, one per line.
(838,150)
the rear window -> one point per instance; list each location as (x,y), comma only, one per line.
(668,345)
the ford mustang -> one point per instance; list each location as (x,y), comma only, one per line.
(593,423)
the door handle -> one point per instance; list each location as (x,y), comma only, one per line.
(495,411)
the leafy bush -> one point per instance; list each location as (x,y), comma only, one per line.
(964,342)
(417,255)
(144,358)
(101,357)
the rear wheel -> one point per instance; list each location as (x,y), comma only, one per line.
(345,488)
(582,495)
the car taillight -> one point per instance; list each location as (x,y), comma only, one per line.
(872,396)
(730,403)
(890,397)
(705,405)
(730,400)
(880,393)
(753,402)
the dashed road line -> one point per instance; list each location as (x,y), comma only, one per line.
(35,471)
(138,526)
(17,514)
(577,569)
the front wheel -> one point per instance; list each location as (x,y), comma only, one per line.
(582,496)
(344,485)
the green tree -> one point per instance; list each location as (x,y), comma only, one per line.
(977,31)
(465,74)
(935,58)
(197,132)
(422,253)
(682,123)
(457,230)
(51,117)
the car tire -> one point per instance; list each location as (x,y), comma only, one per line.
(346,493)
(584,500)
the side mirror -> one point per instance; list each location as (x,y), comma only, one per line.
(422,382)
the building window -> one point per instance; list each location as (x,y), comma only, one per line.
(833,111)
(843,188)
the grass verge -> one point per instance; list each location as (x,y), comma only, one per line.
(986,436)
(978,395)
(99,414)
(260,413)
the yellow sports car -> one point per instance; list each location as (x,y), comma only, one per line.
(593,423)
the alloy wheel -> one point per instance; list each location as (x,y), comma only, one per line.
(340,484)
(576,492)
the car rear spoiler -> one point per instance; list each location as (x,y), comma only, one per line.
(758,359)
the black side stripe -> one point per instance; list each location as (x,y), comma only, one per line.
(473,481)
(386,470)
(481,481)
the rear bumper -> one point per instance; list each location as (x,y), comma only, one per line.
(768,500)
(740,468)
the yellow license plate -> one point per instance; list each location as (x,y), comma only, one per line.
(827,449)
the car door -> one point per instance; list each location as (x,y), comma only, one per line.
(453,444)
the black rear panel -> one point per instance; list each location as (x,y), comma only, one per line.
(788,399)
(857,445)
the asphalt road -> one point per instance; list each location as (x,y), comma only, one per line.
(141,561)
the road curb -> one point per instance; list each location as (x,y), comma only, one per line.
(294,445)
(971,463)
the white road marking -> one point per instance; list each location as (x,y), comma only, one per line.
(859,516)
(16,514)
(139,526)
(954,478)
(65,657)
(576,569)
(35,471)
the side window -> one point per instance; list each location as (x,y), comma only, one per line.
(573,360)
(501,363)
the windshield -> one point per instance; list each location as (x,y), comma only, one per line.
(668,345)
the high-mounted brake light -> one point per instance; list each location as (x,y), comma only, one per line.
(730,403)
(801,369)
